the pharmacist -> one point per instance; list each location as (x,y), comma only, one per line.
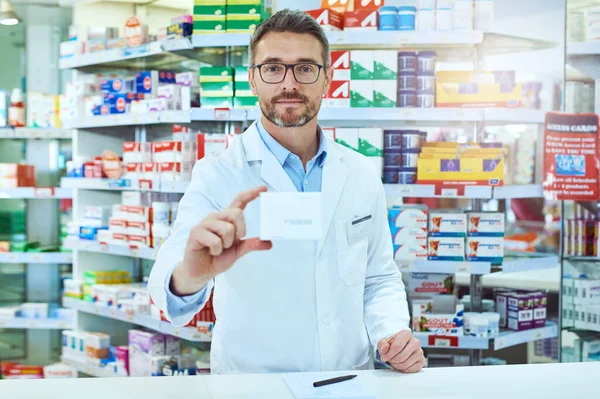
(288,305)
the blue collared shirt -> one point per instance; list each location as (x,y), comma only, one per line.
(308,180)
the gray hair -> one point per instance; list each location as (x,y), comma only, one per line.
(294,21)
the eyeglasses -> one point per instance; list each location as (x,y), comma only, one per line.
(305,73)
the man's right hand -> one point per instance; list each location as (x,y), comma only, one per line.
(215,244)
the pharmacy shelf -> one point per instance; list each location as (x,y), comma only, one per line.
(582,258)
(583,48)
(221,40)
(151,53)
(224,114)
(35,324)
(471,192)
(175,187)
(35,193)
(111,249)
(150,118)
(505,339)
(27,133)
(503,116)
(583,60)
(81,366)
(533,280)
(187,333)
(50,258)
(530,264)
(445,267)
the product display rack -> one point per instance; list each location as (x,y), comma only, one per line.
(94,255)
(52,258)
(35,193)
(33,324)
(34,133)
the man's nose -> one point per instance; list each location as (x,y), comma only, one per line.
(289,82)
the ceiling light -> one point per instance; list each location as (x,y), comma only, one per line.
(7,13)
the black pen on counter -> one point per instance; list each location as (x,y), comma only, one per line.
(333,380)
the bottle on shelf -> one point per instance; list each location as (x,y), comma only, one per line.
(16,111)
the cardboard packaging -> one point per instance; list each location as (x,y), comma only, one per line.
(210,143)
(361,93)
(142,347)
(348,137)
(485,224)
(485,249)
(329,19)
(407,216)
(446,249)
(370,142)
(447,224)
(216,74)
(362,65)
(385,64)
(430,283)
(410,251)
(363,20)
(340,64)
(385,93)
(338,95)
(425,319)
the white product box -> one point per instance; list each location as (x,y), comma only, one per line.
(117,239)
(447,224)
(59,370)
(291,216)
(488,224)
(178,97)
(348,137)
(385,93)
(463,15)
(149,171)
(590,351)
(580,313)
(485,249)
(3,109)
(138,228)
(408,216)
(426,19)
(175,171)
(338,95)
(104,236)
(139,106)
(139,241)
(135,213)
(174,151)
(135,152)
(370,141)
(483,18)
(402,235)
(385,63)
(133,198)
(109,295)
(117,226)
(361,64)
(101,213)
(157,105)
(207,143)
(9,311)
(133,171)
(576,26)
(430,283)
(592,23)
(361,93)
(446,249)
(410,251)
(340,64)
(34,310)
(186,78)
(141,300)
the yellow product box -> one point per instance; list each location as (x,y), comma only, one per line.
(461,171)
(478,95)
(501,77)
(210,2)
(197,18)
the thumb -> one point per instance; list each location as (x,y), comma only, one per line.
(252,244)
(385,344)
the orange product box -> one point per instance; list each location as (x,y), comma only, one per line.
(97,353)
(329,19)
(339,5)
(207,143)
(136,213)
(139,241)
(361,19)
(14,175)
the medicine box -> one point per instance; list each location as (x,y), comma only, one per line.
(362,66)
(243,89)
(142,347)
(487,224)
(446,249)
(338,95)
(216,89)
(216,74)
(430,283)
(340,64)
(215,25)
(402,235)
(452,171)
(361,20)
(485,249)
(245,102)
(407,216)
(410,251)
(361,93)
(520,320)
(385,64)
(370,142)
(385,93)
(348,137)
(216,102)
(329,19)
(438,323)
(242,25)
(209,143)
(447,224)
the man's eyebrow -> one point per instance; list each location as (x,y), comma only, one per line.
(277,59)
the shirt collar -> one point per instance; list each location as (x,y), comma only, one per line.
(281,153)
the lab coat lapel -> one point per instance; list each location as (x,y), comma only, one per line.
(334,178)
(271,171)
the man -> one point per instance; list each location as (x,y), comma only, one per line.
(288,305)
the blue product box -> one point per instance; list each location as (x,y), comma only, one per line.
(167,77)
(117,103)
(177,31)
(117,85)
(146,82)
(89,233)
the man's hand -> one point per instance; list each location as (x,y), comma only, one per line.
(215,244)
(402,351)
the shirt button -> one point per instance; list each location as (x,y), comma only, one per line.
(305,182)
(327,321)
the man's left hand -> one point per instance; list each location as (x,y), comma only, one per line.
(402,351)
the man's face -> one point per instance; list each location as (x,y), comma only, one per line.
(289,103)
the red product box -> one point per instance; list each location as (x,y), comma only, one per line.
(136,213)
(139,241)
(368,4)
(137,152)
(98,170)
(14,371)
(207,143)
(340,6)
(340,63)
(329,20)
(338,95)
(139,228)
(175,171)
(88,170)
(133,170)
(150,171)
(361,19)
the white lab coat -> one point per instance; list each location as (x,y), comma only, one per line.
(302,306)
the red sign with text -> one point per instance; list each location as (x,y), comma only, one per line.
(571,157)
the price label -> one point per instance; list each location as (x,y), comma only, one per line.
(464,268)
(449,192)
(37,258)
(12,257)
(405,265)
(222,114)
(43,192)
(145,184)
(407,113)
(135,251)
(441,343)
(103,247)
(537,335)
(33,324)
(406,189)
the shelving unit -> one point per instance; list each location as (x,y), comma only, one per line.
(505,339)
(35,193)
(90,369)
(27,133)
(187,333)
(151,118)
(470,192)
(51,258)
(111,249)
(124,185)
(35,324)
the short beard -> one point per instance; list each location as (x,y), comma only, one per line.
(268,110)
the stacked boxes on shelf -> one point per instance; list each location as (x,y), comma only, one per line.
(478,89)
(416,79)
(216,87)
(43,110)
(33,311)
(14,175)
(580,97)
(447,233)
(366,141)
(408,226)
(439,315)
(231,16)
(243,96)
(521,310)
(581,303)
(485,237)
(400,155)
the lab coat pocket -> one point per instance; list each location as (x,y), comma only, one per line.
(351,258)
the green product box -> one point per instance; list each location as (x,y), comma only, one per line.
(209,18)
(91,277)
(245,102)
(370,141)
(384,93)
(361,93)
(244,2)
(243,26)
(244,17)
(245,10)
(216,74)
(216,102)
(216,89)
(385,64)
(216,11)
(24,246)
(210,2)
(361,65)
(348,137)
(241,74)
(242,89)
(202,27)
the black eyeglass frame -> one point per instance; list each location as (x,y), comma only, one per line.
(287,67)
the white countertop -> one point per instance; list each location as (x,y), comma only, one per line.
(568,380)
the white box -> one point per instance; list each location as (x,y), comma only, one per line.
(138,228)
(446,249)
(370,141)
(361,94)
(408,216)
(401,235)
(592,23)
(447,224)
(362,60)
(101,213)
(139,106)
(117,226)
(9,311)
(34,310)
(175,171)
(590,351)
(410,251)
(463,15)
(488,224)
(348,137)
(178,97)
(291,216)
(174,151)
(385,93)
(485,249)
(133,198)
(430,283)
(385,63)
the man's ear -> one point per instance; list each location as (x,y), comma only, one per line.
(328,79)
(251,76)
